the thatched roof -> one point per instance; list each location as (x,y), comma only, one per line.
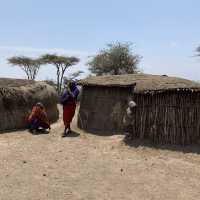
(145,83)
(9,82)
(17,96)
(18,89)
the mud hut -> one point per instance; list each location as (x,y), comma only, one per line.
(17,97)
(167,111)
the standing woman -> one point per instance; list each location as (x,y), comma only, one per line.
(68,100)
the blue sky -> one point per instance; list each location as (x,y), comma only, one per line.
(165,33)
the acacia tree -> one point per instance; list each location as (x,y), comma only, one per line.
(28,65)
(61,63)
(116,59)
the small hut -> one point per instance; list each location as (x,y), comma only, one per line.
(17,96)
(167,111)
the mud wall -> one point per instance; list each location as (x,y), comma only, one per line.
(16,103)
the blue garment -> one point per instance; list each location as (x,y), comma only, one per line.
(67,96)
(36,124)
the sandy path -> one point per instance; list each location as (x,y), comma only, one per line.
(48,167)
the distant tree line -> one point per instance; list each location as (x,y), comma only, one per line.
(117,58)
(31,66)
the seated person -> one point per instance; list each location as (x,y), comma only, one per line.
(38,118)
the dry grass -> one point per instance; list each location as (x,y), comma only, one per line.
(9,82)
(144,83)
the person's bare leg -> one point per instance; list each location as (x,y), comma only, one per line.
(69,129)
(66,131)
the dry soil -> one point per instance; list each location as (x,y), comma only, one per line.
(88,167)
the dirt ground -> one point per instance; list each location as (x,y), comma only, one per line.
(88,167)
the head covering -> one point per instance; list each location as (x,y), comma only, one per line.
(40,105)
(72,85)
(131,104)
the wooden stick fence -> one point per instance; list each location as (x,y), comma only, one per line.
(168,118)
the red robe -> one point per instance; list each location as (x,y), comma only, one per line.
(69,105)
(39,114)
(68,112)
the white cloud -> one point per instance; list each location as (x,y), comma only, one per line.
(30,50)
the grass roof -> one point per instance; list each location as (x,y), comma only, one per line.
(9,82)
(144,82)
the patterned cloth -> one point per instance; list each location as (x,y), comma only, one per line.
(38,118)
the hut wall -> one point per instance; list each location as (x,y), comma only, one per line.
(16,104)
(170,117)
(167,118)
(102,109)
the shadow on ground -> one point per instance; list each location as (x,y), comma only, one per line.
(12,131)
(39,132)
(73,134)
(101,133)
(195,148)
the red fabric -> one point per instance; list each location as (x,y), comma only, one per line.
(68,113)
(40,114)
